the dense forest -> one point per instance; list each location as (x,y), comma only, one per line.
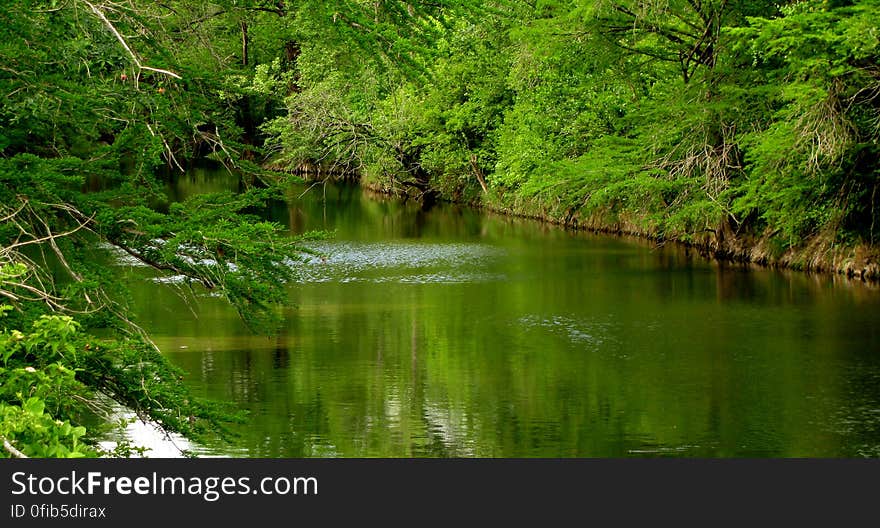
(746,128)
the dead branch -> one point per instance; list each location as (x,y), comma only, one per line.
(168,150)
(125,45)
(9,448)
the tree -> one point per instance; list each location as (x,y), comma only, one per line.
(731,124)
(101,97)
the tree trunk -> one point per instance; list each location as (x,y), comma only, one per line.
(245,43)
(292,51)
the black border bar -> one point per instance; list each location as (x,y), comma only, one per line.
(410,492)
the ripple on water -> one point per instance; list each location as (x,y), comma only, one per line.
(384,262)
(398,262)
(578,330)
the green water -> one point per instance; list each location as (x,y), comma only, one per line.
(456,333)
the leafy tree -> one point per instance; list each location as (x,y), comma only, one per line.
(746,127)
(104,99)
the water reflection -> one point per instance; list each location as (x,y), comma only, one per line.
(453,333)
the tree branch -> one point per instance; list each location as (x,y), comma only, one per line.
(122,41)
(9,448)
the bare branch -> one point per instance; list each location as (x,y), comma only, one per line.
(12,450)
(125,45)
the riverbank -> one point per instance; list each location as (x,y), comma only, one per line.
(819,255)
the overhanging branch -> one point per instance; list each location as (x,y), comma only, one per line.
(125,45)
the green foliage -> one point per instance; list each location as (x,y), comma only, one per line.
(56,371)
(102,101)
(678,119)
(812,159)
(36,386)
(38,434)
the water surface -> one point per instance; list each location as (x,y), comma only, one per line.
(456,333)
